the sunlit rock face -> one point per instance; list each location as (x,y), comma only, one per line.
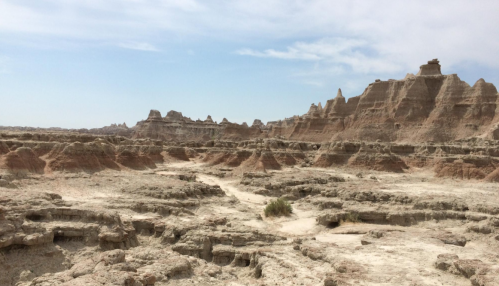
(428,106)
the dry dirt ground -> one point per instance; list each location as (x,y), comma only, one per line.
(348,227)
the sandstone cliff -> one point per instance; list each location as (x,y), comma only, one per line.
(174,126)
(428,106)
(424,107)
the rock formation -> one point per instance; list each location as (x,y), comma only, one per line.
(428,106)
(176,127)
(24,153)
(424,107)
(432,68)
(23,160)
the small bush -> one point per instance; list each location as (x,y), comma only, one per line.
(336,179)
(278,207)
(352,217)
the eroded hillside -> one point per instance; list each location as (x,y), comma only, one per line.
(108,210)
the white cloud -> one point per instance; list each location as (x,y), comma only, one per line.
(290,54)
(335,51)
(139,46)
(377,36)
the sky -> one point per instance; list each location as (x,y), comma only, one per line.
(90,63)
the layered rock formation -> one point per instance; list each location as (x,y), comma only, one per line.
(24,153)
(175,126)
(424,107)
(428,106)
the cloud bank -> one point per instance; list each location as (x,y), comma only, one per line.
(338,51)
(368,36)
(355,39)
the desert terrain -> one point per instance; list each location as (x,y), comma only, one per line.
(398,186)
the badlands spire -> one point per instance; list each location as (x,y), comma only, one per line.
(432,68)
(339,94)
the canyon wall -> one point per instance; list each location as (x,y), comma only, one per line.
(24,153)
(426,107)
(176,127)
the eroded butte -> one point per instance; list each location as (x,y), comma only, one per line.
(398,186)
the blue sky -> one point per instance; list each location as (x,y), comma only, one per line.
(90,63)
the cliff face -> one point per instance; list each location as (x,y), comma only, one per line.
(174,126)
(424,107)
(428,106)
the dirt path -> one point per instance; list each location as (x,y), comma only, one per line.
(250,199)
(300,223)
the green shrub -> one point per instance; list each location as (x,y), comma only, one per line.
(278,207)
(352,217)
